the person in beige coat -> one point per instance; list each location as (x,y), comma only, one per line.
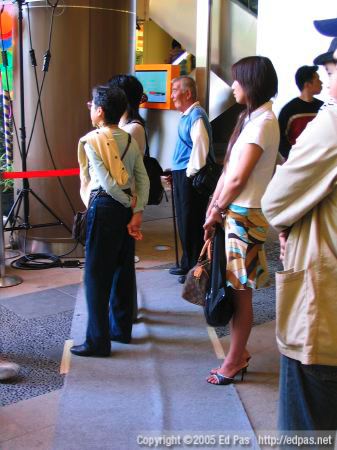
(304,211)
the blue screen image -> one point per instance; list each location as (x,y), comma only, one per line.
(154,84)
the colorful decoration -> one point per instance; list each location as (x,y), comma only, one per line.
(6,86)
(7,128)
(6,44)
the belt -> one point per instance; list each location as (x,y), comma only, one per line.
(102,193)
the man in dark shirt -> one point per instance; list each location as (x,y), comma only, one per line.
(296,114)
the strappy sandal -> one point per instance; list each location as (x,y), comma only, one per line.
(222,380)
(215,371)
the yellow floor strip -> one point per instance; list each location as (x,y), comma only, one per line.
(66,357)
(218,349)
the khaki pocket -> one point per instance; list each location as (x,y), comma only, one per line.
(291,324)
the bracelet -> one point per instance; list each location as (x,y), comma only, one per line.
(222,212)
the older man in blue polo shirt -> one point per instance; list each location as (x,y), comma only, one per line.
(192,148)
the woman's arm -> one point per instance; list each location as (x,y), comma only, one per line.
(142,184)
(233,184)
(216,193)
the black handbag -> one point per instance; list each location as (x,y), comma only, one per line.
(206,179)
(154,172)
(219,302)
(79,229)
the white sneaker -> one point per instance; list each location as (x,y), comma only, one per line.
(8,370)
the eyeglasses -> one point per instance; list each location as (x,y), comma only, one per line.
(89,104)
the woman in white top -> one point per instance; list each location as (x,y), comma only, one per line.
(131,121)
(236,202)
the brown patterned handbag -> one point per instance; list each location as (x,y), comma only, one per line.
(198,278)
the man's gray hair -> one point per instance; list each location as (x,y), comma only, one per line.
(187,83)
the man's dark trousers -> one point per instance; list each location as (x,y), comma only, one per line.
(191,211)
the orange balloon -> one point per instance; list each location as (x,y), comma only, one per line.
(6,23)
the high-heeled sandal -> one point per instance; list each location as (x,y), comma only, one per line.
(215,371)
(222,380)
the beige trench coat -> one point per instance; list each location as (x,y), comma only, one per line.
(302,196)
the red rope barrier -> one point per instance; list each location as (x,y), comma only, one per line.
(40,174)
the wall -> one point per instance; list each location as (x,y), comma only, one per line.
(89,44)
(286,34)
(157,44)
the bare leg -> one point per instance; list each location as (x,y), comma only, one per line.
(241,326)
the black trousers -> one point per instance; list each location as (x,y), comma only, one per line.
(109,273)
(191,211)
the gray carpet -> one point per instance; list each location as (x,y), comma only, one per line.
(154,386)
(32,334)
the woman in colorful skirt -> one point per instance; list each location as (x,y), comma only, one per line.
(236,202)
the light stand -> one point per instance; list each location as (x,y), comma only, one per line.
(23,194)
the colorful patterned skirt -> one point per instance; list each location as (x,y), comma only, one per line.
(246,230)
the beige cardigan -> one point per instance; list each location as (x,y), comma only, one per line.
(103,143)
(303,195)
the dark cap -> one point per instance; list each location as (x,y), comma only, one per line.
(328,27)
(328,56)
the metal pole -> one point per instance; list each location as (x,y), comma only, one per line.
(5,280)
(25,182)
(174,224)
(208,55)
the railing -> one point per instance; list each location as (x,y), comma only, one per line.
(251,5)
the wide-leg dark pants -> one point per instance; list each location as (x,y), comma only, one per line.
(308,400)
(109,273)
(191,211)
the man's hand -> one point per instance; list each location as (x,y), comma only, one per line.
(134,226)
(167,179)
(283,236)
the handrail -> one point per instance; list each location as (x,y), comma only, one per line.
(250,5)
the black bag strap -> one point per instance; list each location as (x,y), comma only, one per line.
(92,198)
(147,147)
(209,158)
(127,146)
(219,262)
(183,140)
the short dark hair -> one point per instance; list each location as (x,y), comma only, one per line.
(258,78)
(133,90)
(112,100)
(175,44)
(304,74)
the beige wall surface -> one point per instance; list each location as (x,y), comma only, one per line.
(157,44)
(287,35)
(90,43)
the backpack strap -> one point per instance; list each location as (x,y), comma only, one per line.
(127,146)
(147,148)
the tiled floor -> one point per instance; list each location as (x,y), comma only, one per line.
(29,424)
